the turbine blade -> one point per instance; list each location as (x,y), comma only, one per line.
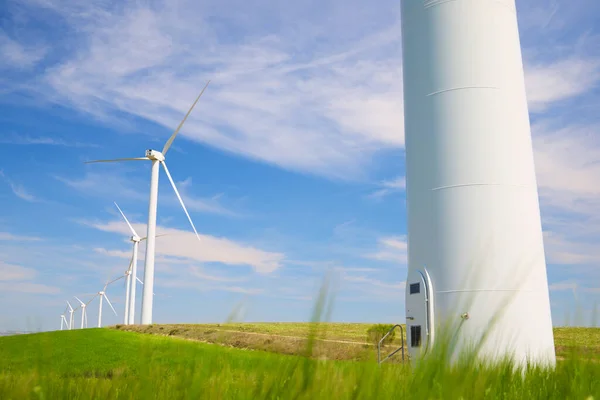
(130,265)
(79,300)
(180,199)
(110,304)
(138,279)
(126,220)
(145,237)
(170,141)
(113,281)
(70,307)
(118,159)
(96,295)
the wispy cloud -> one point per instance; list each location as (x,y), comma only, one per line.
(548,83)
(10,272)
(41,140)
(28,287)
(19,238)
(273,98)
(200,273)
(392,248)
(328,109)
(390,186)
(15,278)
(202,286)
(95,184)
(19,190)
(19,55)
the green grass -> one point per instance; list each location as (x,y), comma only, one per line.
(110,364)
(335,341)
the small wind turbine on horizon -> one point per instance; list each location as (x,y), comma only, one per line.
(157,158)
(102,295)
(83,312)
(63,320)
(71,311)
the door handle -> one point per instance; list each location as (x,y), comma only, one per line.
(411,318)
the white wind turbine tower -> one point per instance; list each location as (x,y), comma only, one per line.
(71,311)
(83,312)
(157,158)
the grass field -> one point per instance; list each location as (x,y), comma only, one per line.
(112,364)
(335,341)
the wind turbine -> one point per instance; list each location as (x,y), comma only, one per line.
(71,311)
(63,321)
(157,158)
(83,313)
(103,295)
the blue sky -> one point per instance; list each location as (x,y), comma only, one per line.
(292,164)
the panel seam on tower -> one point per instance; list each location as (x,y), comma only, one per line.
(433,3)
(462,88)
(482,184)
(490,290)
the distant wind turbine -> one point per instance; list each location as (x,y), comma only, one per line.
(103,295)
(83,312)
(71,311)
(157,158)
(131,273)
(63,321)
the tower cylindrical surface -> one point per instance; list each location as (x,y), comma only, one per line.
(473,210)
(148,291)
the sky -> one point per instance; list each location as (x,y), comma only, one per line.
(291,164)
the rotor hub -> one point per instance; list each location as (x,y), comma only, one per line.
(155,155)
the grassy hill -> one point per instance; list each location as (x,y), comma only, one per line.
(334,341)
(112,364)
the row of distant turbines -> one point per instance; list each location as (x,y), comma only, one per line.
(157,158)
(131,280)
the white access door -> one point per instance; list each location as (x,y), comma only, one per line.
(419,304)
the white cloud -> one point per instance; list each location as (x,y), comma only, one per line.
(565,250)
(19,190)
(183,244)
(95,184)
(374,282)
(201,285)
(113,253)
(15,278)
(41,140)
(200,273)
(28,287)
(9,236)
(10,272)
(567,162)
(390,186)
(283,96)
(392,248)
(18,55)
(275,98)
(548,83)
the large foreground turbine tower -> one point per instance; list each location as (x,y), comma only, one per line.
(475,249)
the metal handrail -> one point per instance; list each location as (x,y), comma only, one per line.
(379,360)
